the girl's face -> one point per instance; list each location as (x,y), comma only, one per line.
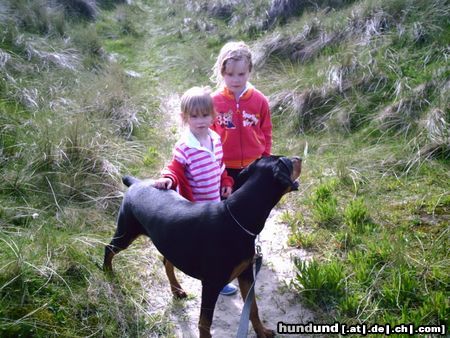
(199,122)
(235,76)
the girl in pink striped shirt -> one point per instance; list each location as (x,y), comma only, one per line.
(197,169)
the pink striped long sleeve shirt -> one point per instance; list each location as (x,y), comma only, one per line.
(203,168)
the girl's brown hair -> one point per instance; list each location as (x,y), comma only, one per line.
(195,100)
(234,50)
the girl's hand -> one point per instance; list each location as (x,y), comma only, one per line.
(225,192)
(163,183)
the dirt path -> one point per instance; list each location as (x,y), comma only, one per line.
(276,299)
(277,302)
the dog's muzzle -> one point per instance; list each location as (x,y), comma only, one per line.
(289,165)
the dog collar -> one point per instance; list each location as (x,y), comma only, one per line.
(237,222)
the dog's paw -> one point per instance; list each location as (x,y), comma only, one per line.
(179,294)
(108,269)
(266,333)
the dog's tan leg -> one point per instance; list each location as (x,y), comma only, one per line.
(245,282)
(204,327)
(175,287)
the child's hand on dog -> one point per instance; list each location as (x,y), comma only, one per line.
(163,183)
(225,192)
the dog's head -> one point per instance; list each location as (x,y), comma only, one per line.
(284,170)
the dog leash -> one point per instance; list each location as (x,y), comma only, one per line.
(245,315)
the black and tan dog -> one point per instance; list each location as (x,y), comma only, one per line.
(213,242)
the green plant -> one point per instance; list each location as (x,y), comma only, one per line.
(400,289)
(381,248)
(324,204)
(302,239)
(362,266)
(350,305)
(320,283)
(356,216)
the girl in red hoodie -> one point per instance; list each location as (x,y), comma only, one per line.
(243,115)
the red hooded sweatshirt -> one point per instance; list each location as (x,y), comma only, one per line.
(244,126)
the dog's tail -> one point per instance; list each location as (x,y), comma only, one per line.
(129,180)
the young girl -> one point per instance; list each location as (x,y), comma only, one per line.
(197,170)
(243,120)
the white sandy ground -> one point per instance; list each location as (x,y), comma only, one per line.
(276,299)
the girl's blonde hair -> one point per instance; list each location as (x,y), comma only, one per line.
(234,50)
(196,100)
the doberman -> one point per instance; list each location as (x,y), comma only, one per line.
(213,242)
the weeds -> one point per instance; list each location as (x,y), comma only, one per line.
(321,283)
(379,274)
(298,238)
(66,136)
(324,204)
(379,235)
(39,17)
(356,216)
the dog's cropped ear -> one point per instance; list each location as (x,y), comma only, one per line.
(245,174)
(282,172)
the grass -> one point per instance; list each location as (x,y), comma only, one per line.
(388,240)
(68,131)
(360,91)
(364,209)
